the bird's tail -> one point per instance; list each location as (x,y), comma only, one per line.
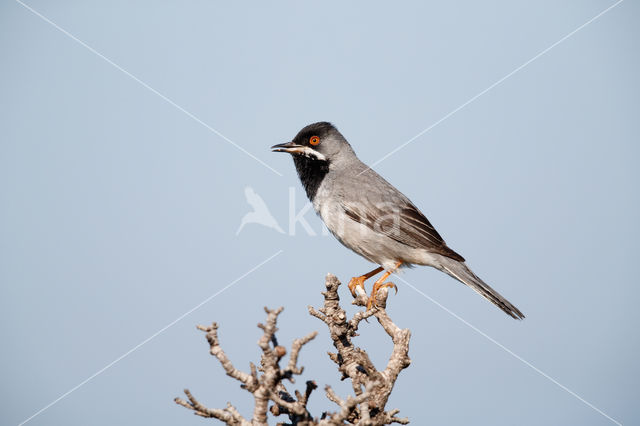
(462,273)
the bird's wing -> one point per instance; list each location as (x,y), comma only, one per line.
(400,220)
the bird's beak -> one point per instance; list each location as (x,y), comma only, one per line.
(289,147)
(295,149)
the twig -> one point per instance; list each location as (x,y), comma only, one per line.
(265,382)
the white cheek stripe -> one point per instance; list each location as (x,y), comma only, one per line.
(308,152)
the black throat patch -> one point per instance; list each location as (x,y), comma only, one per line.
(311,172)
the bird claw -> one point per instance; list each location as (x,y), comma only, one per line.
(376,287)
(356,282)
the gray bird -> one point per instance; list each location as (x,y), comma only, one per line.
(371,217)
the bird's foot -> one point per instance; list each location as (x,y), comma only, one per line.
(376,287)
(357,282)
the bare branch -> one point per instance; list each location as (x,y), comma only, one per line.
(216,350)
(269,328)
(331,395)
(229,415)
(265,382)
(354,363)
(295,351)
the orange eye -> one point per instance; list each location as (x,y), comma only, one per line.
(314,140)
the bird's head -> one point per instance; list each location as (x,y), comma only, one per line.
(318,141)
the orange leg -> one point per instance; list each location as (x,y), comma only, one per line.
(381,284)
(359,281)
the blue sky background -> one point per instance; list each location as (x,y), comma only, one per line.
(119,211)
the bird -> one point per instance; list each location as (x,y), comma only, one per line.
(371,217)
